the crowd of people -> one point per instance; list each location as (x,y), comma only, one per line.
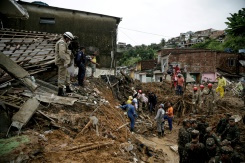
(146,103)
(199,142)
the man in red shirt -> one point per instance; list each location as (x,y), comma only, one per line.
(180,84)
(170,115)
(177,68)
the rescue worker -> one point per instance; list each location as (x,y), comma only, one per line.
(154,103)
(225,156)
(170,116)
(62,60)
(183,139)
(194,100)
(174,81)
(129,101)
(140,101)
(94,63)
(201,127)
(210,99)
(180,84)
(231,132)
(81,62)
(160,120)
(194,151)
(150,101)
(131,114)
(212,149)
(177,69)
(211,134)
(222,124)
(201,98)
(221,86)
(193,126)
(135,103)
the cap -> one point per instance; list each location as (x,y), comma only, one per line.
(193,121)
(226,150)
(228,114)
(161,105)
(210,142)
(208,129)
(231,119)
(225,143)
(203,116)
(186,120)
(195,132)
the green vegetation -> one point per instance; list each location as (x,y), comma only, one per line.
(234,39)
(139,53)
(236,24)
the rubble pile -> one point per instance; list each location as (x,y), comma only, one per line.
(86,125)
(32,50)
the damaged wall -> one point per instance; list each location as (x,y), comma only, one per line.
(205,61)
(92,29)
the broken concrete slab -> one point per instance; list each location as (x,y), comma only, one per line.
(51,98)
(16,71)
(24,114)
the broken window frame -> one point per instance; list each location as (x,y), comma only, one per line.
(231,62)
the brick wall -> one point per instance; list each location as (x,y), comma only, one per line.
(205,61)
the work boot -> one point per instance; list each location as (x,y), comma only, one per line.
(162,133)
(60,92)
(68,89)
(159,134)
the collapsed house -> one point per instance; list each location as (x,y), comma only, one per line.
(93,30)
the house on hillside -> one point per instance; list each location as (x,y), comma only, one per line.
(93,29)
(203,65)
(146,71)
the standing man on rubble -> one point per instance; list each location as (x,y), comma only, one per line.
(194,151)
(223,122)
(210,99)
(183,139)
(201,127)
(160,120)
(221,85)
(180,84)
(231,132)
(81,62)
(131,114)
(201,98)
(195,100)
(62,60)
(170,116)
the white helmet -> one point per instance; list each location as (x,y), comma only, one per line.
(69,35)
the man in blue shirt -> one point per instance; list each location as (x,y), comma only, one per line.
(81,64)
(131,113)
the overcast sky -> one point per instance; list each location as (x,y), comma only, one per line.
(164,18)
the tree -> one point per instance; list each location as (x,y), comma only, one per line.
(236,24)
(163,42)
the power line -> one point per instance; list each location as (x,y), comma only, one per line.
(144,32)
(128,36)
